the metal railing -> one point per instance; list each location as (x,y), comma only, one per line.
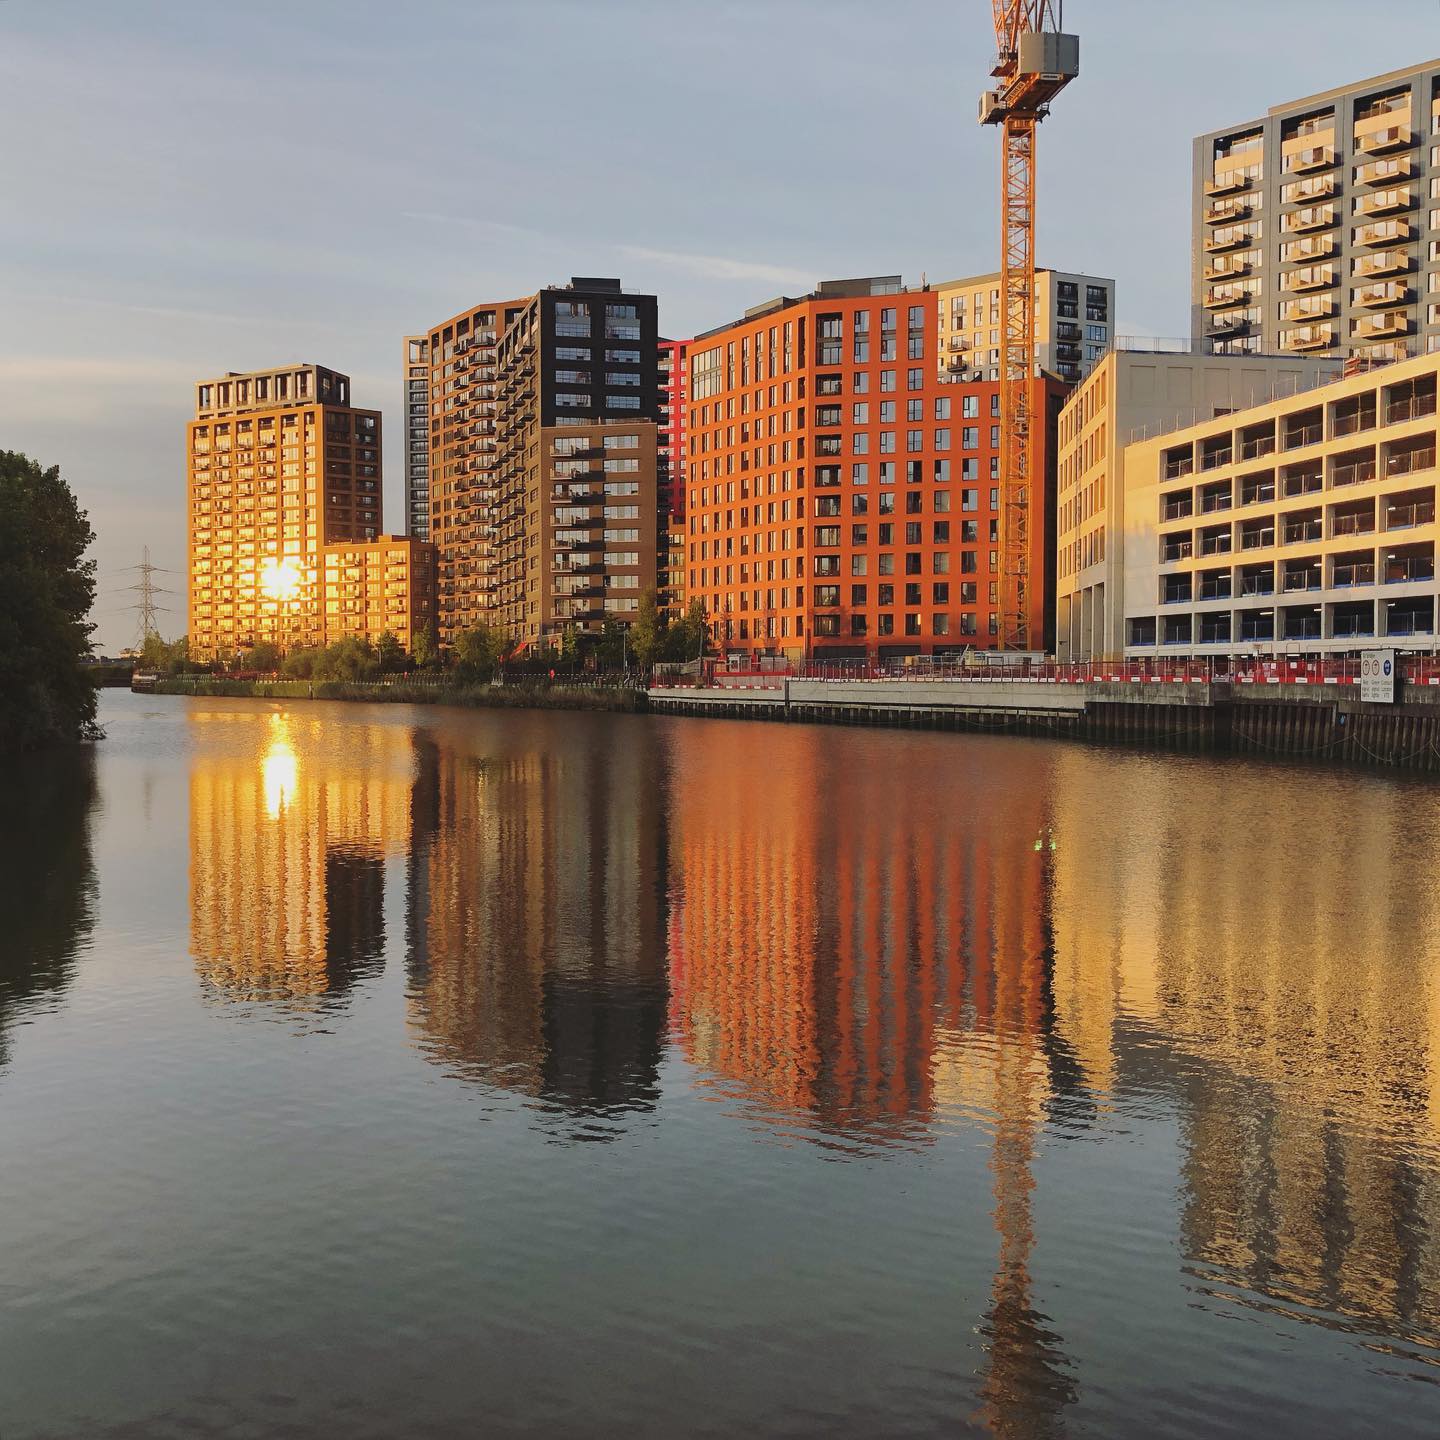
(1218,669)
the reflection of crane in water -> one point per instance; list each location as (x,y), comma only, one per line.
(1027,1383)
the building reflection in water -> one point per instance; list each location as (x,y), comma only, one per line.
(1273,974)
(536,915)
(869,973)
(48,890)
(290,828)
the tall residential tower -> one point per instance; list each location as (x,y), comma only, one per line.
(1313,226)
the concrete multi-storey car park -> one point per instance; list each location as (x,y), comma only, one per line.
(1304,525)
(1315,227)
(1138,389)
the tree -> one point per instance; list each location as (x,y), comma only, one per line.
(570,643)
(647,634)
(300,664)
(688,637)
(390,653)
(166,657)
(350,659)
(46,590)
(424,648)
(263,656)
(480,649)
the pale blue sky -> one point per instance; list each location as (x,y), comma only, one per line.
(191,186)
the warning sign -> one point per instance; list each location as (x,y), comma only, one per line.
(1377,677)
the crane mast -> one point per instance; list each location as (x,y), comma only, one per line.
(1036,60)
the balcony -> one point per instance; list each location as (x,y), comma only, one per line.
(1257,625)
(1384,172)
(1216,586)
(1232,183)
(1308,311)
(1308,337)
(1306,162)
(1227,325)
(1311,277)
(1177,507)
(1215,500)
(1175,547)
(1381,142)
(1302,222)
(1220,241)
(1227,297)
(1306,428)
(1304,480)
(1227,270)
(1227,212)
(1316,247)
(1384,232)
(1216,542)
(1258,538)
(1304,530)
(1390,293)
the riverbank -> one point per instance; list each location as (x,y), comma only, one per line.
(401,692)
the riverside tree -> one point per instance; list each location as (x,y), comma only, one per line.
(46,589)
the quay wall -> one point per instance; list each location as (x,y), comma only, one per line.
(1321,723)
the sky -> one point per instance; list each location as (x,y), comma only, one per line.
(194,186)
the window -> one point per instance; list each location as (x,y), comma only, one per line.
(970,437)
(969,407)
(622,402)
(618,442)
(942,408)
(860,413)
(915,379)
(622,377)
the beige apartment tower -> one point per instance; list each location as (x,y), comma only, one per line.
(281,467)
(1317,225)
(1074,324)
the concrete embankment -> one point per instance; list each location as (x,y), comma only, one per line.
(495,697)
(1326,723)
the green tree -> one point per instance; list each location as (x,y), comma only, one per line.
(300,664)
(570,643)
(391,654)
(688,636)
(647,634)
(350,659)
(480,649)
(166,657)
(425,649)
(263,656)
(46,590)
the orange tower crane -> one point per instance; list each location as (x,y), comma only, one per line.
(1036,61)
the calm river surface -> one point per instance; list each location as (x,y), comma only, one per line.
(378,1071)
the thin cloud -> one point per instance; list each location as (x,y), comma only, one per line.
(718,267)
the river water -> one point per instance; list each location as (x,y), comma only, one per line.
(386,1071)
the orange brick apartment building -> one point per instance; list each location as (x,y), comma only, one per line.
(842,498)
